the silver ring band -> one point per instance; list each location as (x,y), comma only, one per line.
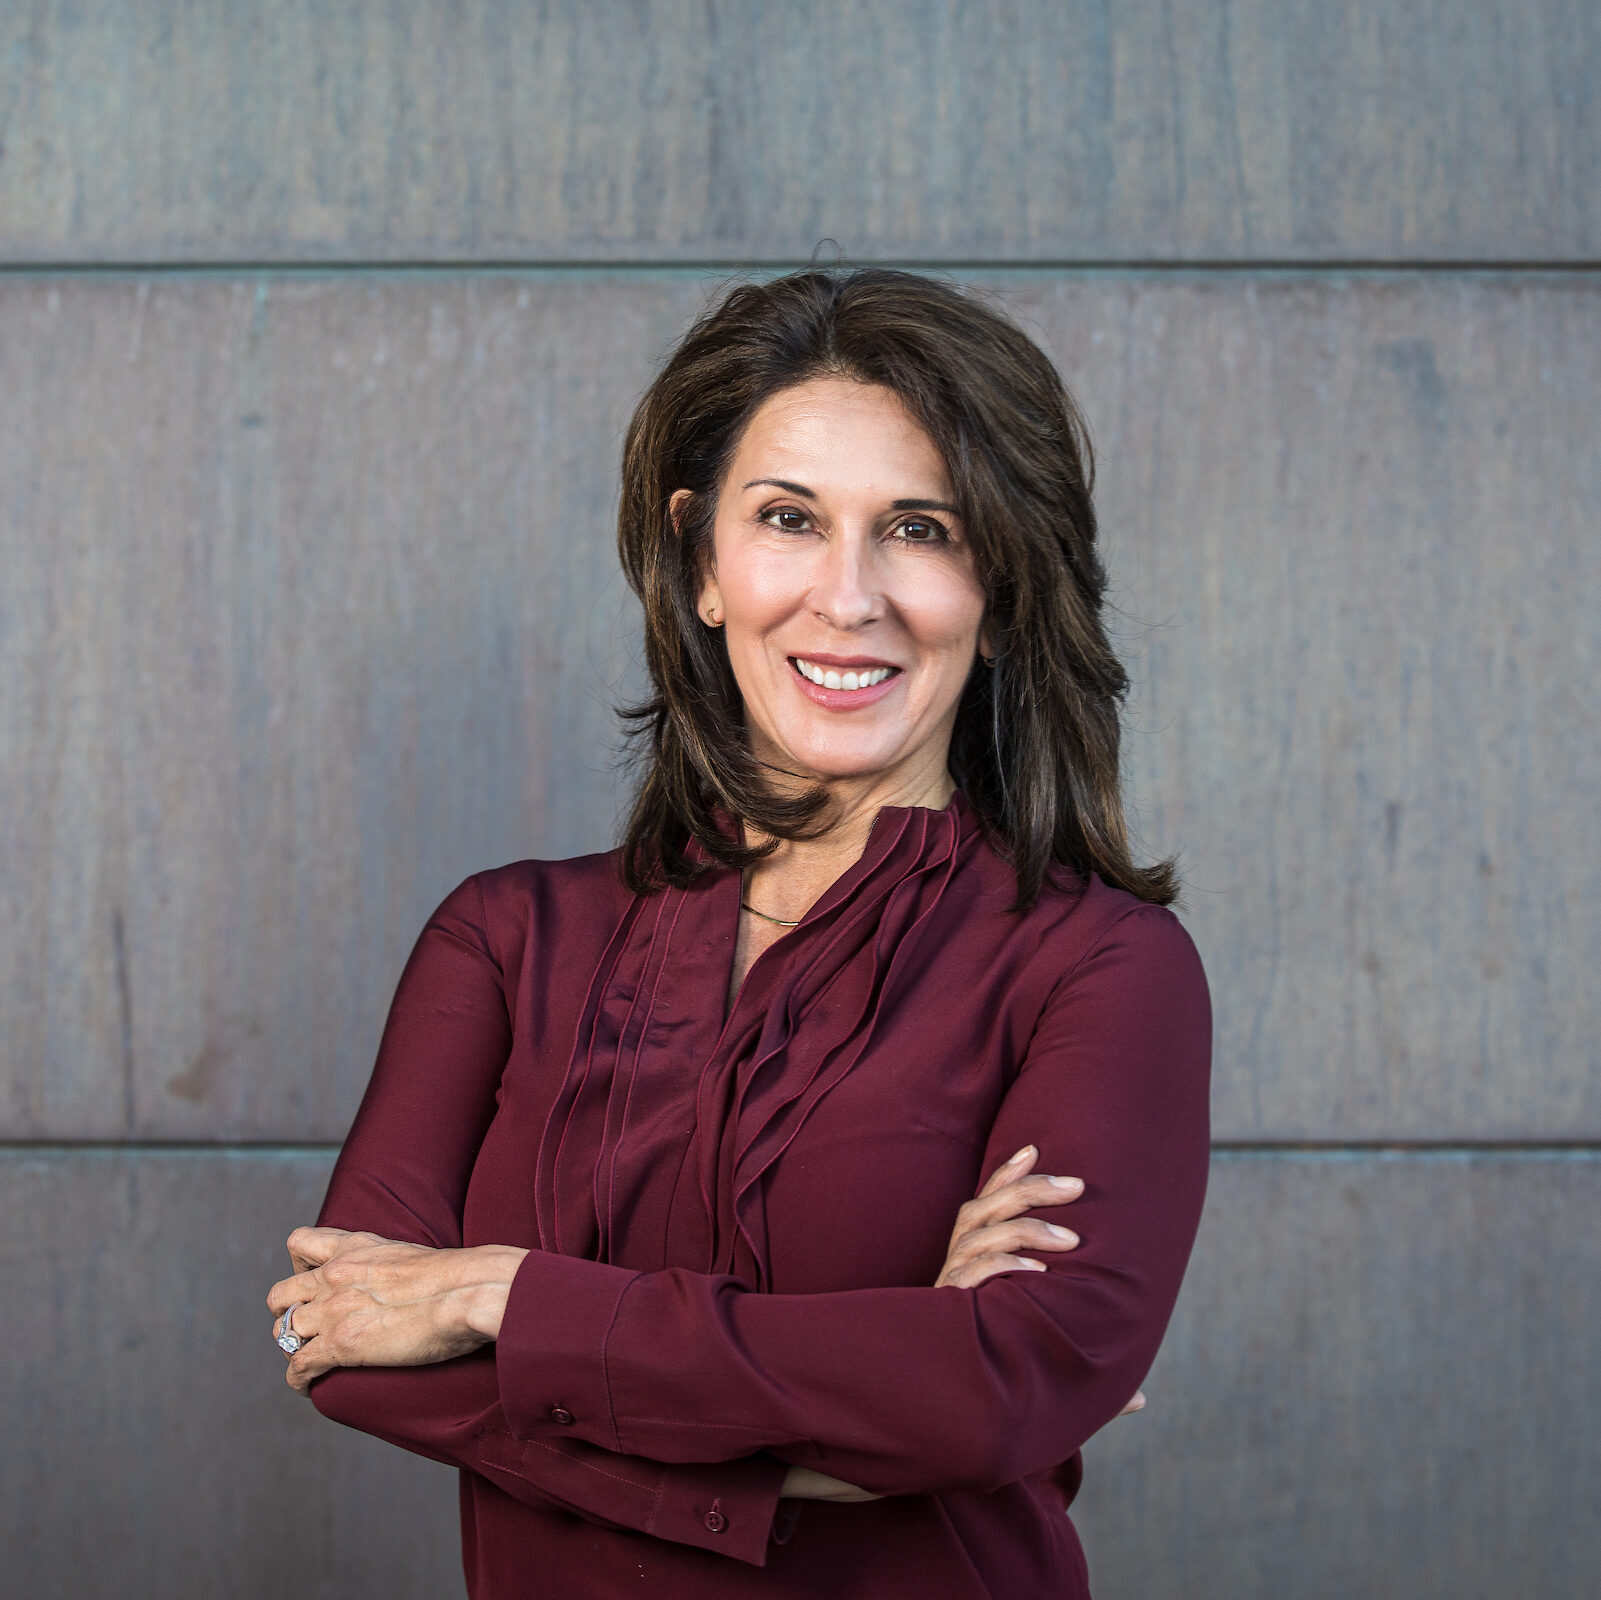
(288,1340)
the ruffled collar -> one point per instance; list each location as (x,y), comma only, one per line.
(655,1065)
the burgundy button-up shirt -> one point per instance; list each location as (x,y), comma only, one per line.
(735,1218)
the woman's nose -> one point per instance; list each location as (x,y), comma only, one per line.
(846,593)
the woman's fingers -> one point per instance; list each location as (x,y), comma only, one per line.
(292,1291)
(1012,1169)
(1136,1404)
(992,1228)
(806,1483)
(311,1247)
(1036,1192)
(970,1273)
(1023,1194)
(1021,1234)
(1010,1172)
(984,1252)
(308,1364)
(313,1358)
(1032,1233)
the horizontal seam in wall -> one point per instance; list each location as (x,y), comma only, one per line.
(168,1147)
(468,267)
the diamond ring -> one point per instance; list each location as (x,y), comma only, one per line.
(288,1340)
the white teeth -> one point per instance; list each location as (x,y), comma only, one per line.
(824,679)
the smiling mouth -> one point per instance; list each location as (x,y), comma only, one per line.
(835,678)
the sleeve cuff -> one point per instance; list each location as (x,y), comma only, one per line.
(729,1507)
(550,1362)
(550,1356)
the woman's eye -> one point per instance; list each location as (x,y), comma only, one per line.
(791,521)
(919,530)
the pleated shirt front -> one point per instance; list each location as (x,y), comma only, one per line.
(735,1218)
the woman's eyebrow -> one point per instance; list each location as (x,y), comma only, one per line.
(894,505)
(780,483)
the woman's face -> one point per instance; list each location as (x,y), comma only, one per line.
(845,587)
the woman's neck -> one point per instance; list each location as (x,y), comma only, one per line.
(798,873)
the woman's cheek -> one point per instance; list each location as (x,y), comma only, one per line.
(946,610)
(764,583)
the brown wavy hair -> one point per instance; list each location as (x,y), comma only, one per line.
(1035,744)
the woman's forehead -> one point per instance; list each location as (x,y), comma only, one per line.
(836,433)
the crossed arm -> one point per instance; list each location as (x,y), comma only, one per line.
(405,1333)
(361,1300)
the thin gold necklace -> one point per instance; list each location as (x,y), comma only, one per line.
(745,905)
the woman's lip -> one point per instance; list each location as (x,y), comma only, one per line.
(841,699)
(842,662)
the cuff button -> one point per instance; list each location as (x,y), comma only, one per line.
(715,1520)
(562,1415)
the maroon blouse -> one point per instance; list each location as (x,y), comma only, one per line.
(735,1222)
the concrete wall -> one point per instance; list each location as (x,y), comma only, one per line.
(318,328)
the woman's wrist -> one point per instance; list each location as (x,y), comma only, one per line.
(806,1483)
(487,1271)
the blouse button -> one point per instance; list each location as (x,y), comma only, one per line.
(716,1521)
(562,1415)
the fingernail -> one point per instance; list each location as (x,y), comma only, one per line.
(1067,1183)
(1032,1264)
(1027,1150)
(1062,1233)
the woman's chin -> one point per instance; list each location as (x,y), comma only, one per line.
(831,767)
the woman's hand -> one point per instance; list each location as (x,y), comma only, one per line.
(991,1228)
(365,1301)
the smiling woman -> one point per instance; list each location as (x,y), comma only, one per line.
(799,570)
(831,545)
(665,1216)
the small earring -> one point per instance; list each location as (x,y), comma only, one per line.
(989,661)
(713,620)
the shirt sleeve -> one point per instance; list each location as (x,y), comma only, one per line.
(403,1173)
(923,1390)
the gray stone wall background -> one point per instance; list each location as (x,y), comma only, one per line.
(319,324)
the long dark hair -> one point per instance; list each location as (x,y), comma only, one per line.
(1035,746)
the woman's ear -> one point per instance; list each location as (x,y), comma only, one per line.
(986,645)
(675,508)
(710,601)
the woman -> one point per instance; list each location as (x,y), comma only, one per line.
(646,1220)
